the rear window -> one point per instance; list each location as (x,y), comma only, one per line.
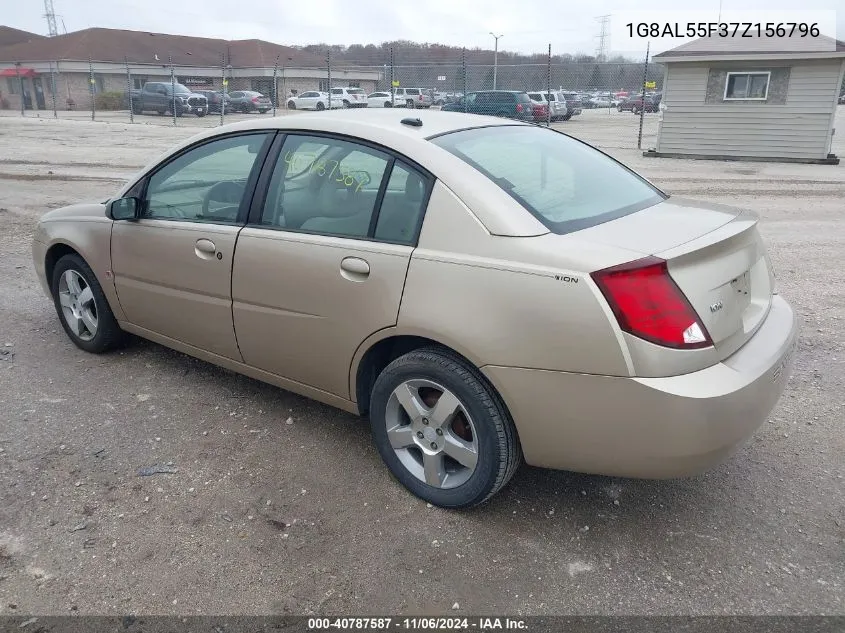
(355,91)
(564,183)
(413,91)
(536,96)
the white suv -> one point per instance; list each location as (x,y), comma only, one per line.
(349,98)
(413,97)
(554,100)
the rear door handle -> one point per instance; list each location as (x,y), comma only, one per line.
(354,268)
(206,246)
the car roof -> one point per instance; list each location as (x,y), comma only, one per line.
(496,209)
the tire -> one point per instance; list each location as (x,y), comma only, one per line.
(291,105)
(619,108)
(93,305)
(635,110)
(409,104)
(136,109)
(346,103)
(320,106)
(480,416)
(387,104)
(201,114)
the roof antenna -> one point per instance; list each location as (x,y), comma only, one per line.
(414,122)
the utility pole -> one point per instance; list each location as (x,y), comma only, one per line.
(495,57)
(603,37)
(50,14)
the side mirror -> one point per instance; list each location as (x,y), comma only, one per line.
(124,209)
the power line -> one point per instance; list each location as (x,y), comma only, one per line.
(603,38)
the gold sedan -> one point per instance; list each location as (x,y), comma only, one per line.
(484,290)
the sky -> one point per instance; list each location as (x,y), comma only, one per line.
(570,27)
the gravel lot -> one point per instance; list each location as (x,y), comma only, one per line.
(281,505)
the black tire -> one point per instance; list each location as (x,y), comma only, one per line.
(619,108)
(291,105)
(201,113)
(109,335)
(345,103)
(635,110)
(410,104)
(387,104)
(320,106)
(499,451)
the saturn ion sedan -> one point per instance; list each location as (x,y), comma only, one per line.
(484,290)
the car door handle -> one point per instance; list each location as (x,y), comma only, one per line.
(356,269)
(206,246)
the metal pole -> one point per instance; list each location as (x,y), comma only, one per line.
(329,68)
(129,90)
(392,75)
(642,109)
(464,73)
(275,87)
(549,89)
(222,87)
(91,86)
(53,91)
(495,57)
(20,83)
(172,88)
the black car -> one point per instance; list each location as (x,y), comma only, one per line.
(513,104)
(248,101)
(215,99)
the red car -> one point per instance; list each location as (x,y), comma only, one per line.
(540,112)
(635,105)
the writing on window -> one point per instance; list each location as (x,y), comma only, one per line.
(747,85)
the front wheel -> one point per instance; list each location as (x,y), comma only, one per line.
(291,105)
(83,308)
(345,103)
(442,430)
(635,110)
(619,108)
(387,104)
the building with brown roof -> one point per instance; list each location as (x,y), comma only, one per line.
(84,63)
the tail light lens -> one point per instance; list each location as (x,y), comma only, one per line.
(420,98)
(519,107)
(255,99)
(648,304)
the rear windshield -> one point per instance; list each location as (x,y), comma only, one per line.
(536,96)
(355,91)
(412,91)
(564,183)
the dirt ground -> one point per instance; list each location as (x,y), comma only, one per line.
(282,505)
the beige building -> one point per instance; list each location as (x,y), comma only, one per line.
(771,99)
(72,68)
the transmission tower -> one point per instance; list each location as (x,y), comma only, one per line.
(50,14)
(603,37)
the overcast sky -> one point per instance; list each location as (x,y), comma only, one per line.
(570,27)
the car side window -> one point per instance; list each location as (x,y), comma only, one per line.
(402,207)
(206,183)
(324,185)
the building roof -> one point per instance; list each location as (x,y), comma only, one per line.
(9,36)
(743,48)
(117,45)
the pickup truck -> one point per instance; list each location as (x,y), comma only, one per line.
(159,96)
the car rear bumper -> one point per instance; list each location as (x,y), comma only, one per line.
(651,427)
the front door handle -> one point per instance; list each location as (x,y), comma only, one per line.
(206,246)
(354,268)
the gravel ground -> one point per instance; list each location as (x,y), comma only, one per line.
(282,505)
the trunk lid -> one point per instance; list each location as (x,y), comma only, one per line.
(715,255)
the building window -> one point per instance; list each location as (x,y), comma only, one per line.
(745,86)
(14,85)
(324,85)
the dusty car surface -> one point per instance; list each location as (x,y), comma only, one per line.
(484,290)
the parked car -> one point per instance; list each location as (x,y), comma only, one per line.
(163,97)
(215,99)
(513,104)
(636,104)
(311,100)
(349,97)
(248,101)
(414,97)
(554,101)
(842,98)
(540,111)
(584,320)
(379,100)
(573,103)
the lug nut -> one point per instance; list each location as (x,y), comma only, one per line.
(439,431)
(425,420)
(420,434)
(434,445)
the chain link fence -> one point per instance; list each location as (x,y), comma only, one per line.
(164,93)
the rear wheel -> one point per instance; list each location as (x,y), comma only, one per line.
(635,110)
(320,105)
(442,430)
(346,103)
(410,103)
(200,113)
(83,308)
(387,104)
(291,105)
(619,108)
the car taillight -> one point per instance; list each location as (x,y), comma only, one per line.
(648,304)
(519,107)
(255,99)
